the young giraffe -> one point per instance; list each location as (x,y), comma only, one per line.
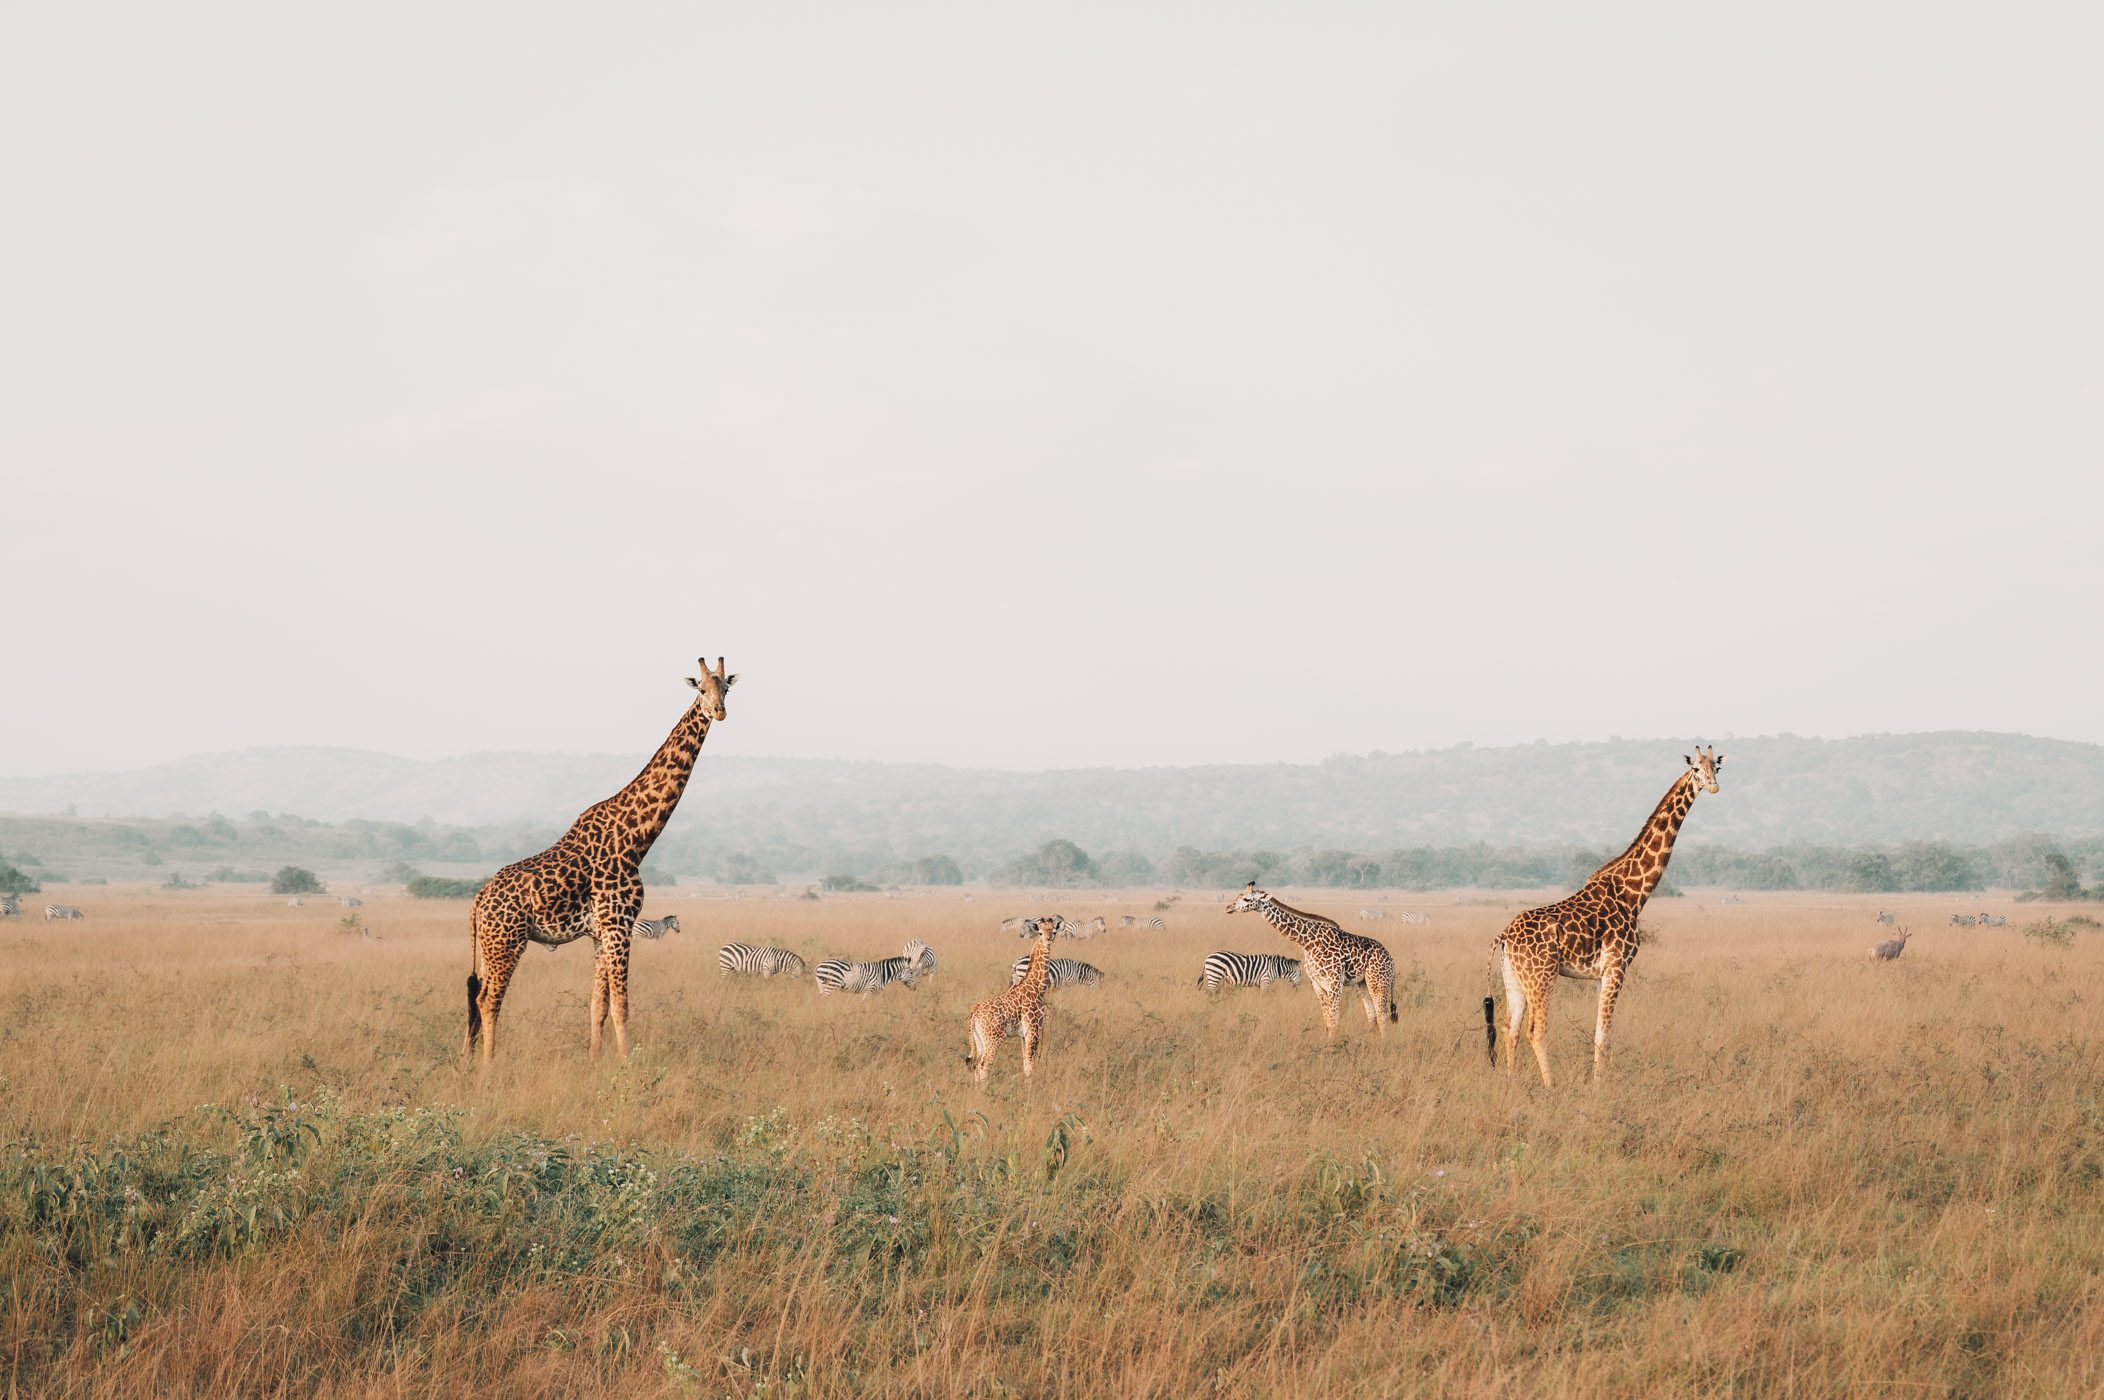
(588,883)
(1018,1011)
(1592,934)
(1334,959)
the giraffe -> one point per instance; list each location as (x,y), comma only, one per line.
(1593,933)
(1018,1011)
(1335,959)
(587,884)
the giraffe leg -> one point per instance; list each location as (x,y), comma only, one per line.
(1332,1008)
(1515,1013)
(617,991)
(1538,1027)
(1610,988)
(497,967)
(598,1000)
(1031,1034)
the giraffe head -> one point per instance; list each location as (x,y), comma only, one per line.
(1704,766)
(1048,927)
(710,689)
(1249,900)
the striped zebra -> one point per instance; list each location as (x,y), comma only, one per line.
(10,905)
(1885,917)
(349,901)
(61,911)
(295,903)
(867,978)
(1140,921)
(1412,916)
(744,960)
(1373,913)
(656,928)
(1064,972)
(1248,970)
(923,961)
(1993,920)
(1964,920)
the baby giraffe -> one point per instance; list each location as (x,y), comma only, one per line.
(1018,1011)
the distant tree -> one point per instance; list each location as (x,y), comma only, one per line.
(2060,878)
(439,887)
(738,868)
(291,879)
(1124,868)
(400,873)
(845,884)
(1057,862)
(1580,867)
(1929,866)
(1865,872)
(934,870)
(13,881)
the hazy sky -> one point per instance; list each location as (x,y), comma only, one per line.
(1071,385)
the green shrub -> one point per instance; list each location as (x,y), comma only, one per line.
(439,887)
(292,879)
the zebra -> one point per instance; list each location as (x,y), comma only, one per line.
(868,978)
(61,911)
(1891,948)
(1964,920)
(1064,972)
(1373,913)
(1885,918)
(656,928)
(1411,916)
(349,901)
(1993,920)
(1080,928)
(744,960)
(10,905)
(1248,970)
(1139,921)
(295,903)
(1022,925)
(923,961)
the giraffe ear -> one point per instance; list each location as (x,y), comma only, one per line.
(1719,763)
(1688,759)
(695,683)
(729,681)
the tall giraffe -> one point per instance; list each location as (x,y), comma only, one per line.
(1019,1011)
(1335,959)
(1592,934)
(588,884)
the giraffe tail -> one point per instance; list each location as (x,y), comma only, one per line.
(1490,1028)
(474,1008)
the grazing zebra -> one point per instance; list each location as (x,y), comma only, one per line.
(1021,924)
(1885,918)
(61,911)
(1411,916)
(1139,921)
(1225,969)
(1064,972)
(1891,948)
(1964,920)
(656,928)
(10,905)
(1994,920)
(349,901)
(868,978)
(1373,913)
(744,960)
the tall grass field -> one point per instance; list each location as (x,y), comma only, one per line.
(244,1155)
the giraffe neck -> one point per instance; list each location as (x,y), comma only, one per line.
(639,811)
(1631,876)
(1302,928)
(1040,970)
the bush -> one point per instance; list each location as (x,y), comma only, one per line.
(439,887)
(13,881)
(292,879)
(845,884)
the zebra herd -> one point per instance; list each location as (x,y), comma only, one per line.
(868,978)
(1982,920)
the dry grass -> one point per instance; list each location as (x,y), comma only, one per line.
(244,1157)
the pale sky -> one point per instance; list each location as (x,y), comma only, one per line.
(1052,387)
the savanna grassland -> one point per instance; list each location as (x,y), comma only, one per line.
(243,1156)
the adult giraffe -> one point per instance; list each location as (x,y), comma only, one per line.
(1590,935)
(588,884)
